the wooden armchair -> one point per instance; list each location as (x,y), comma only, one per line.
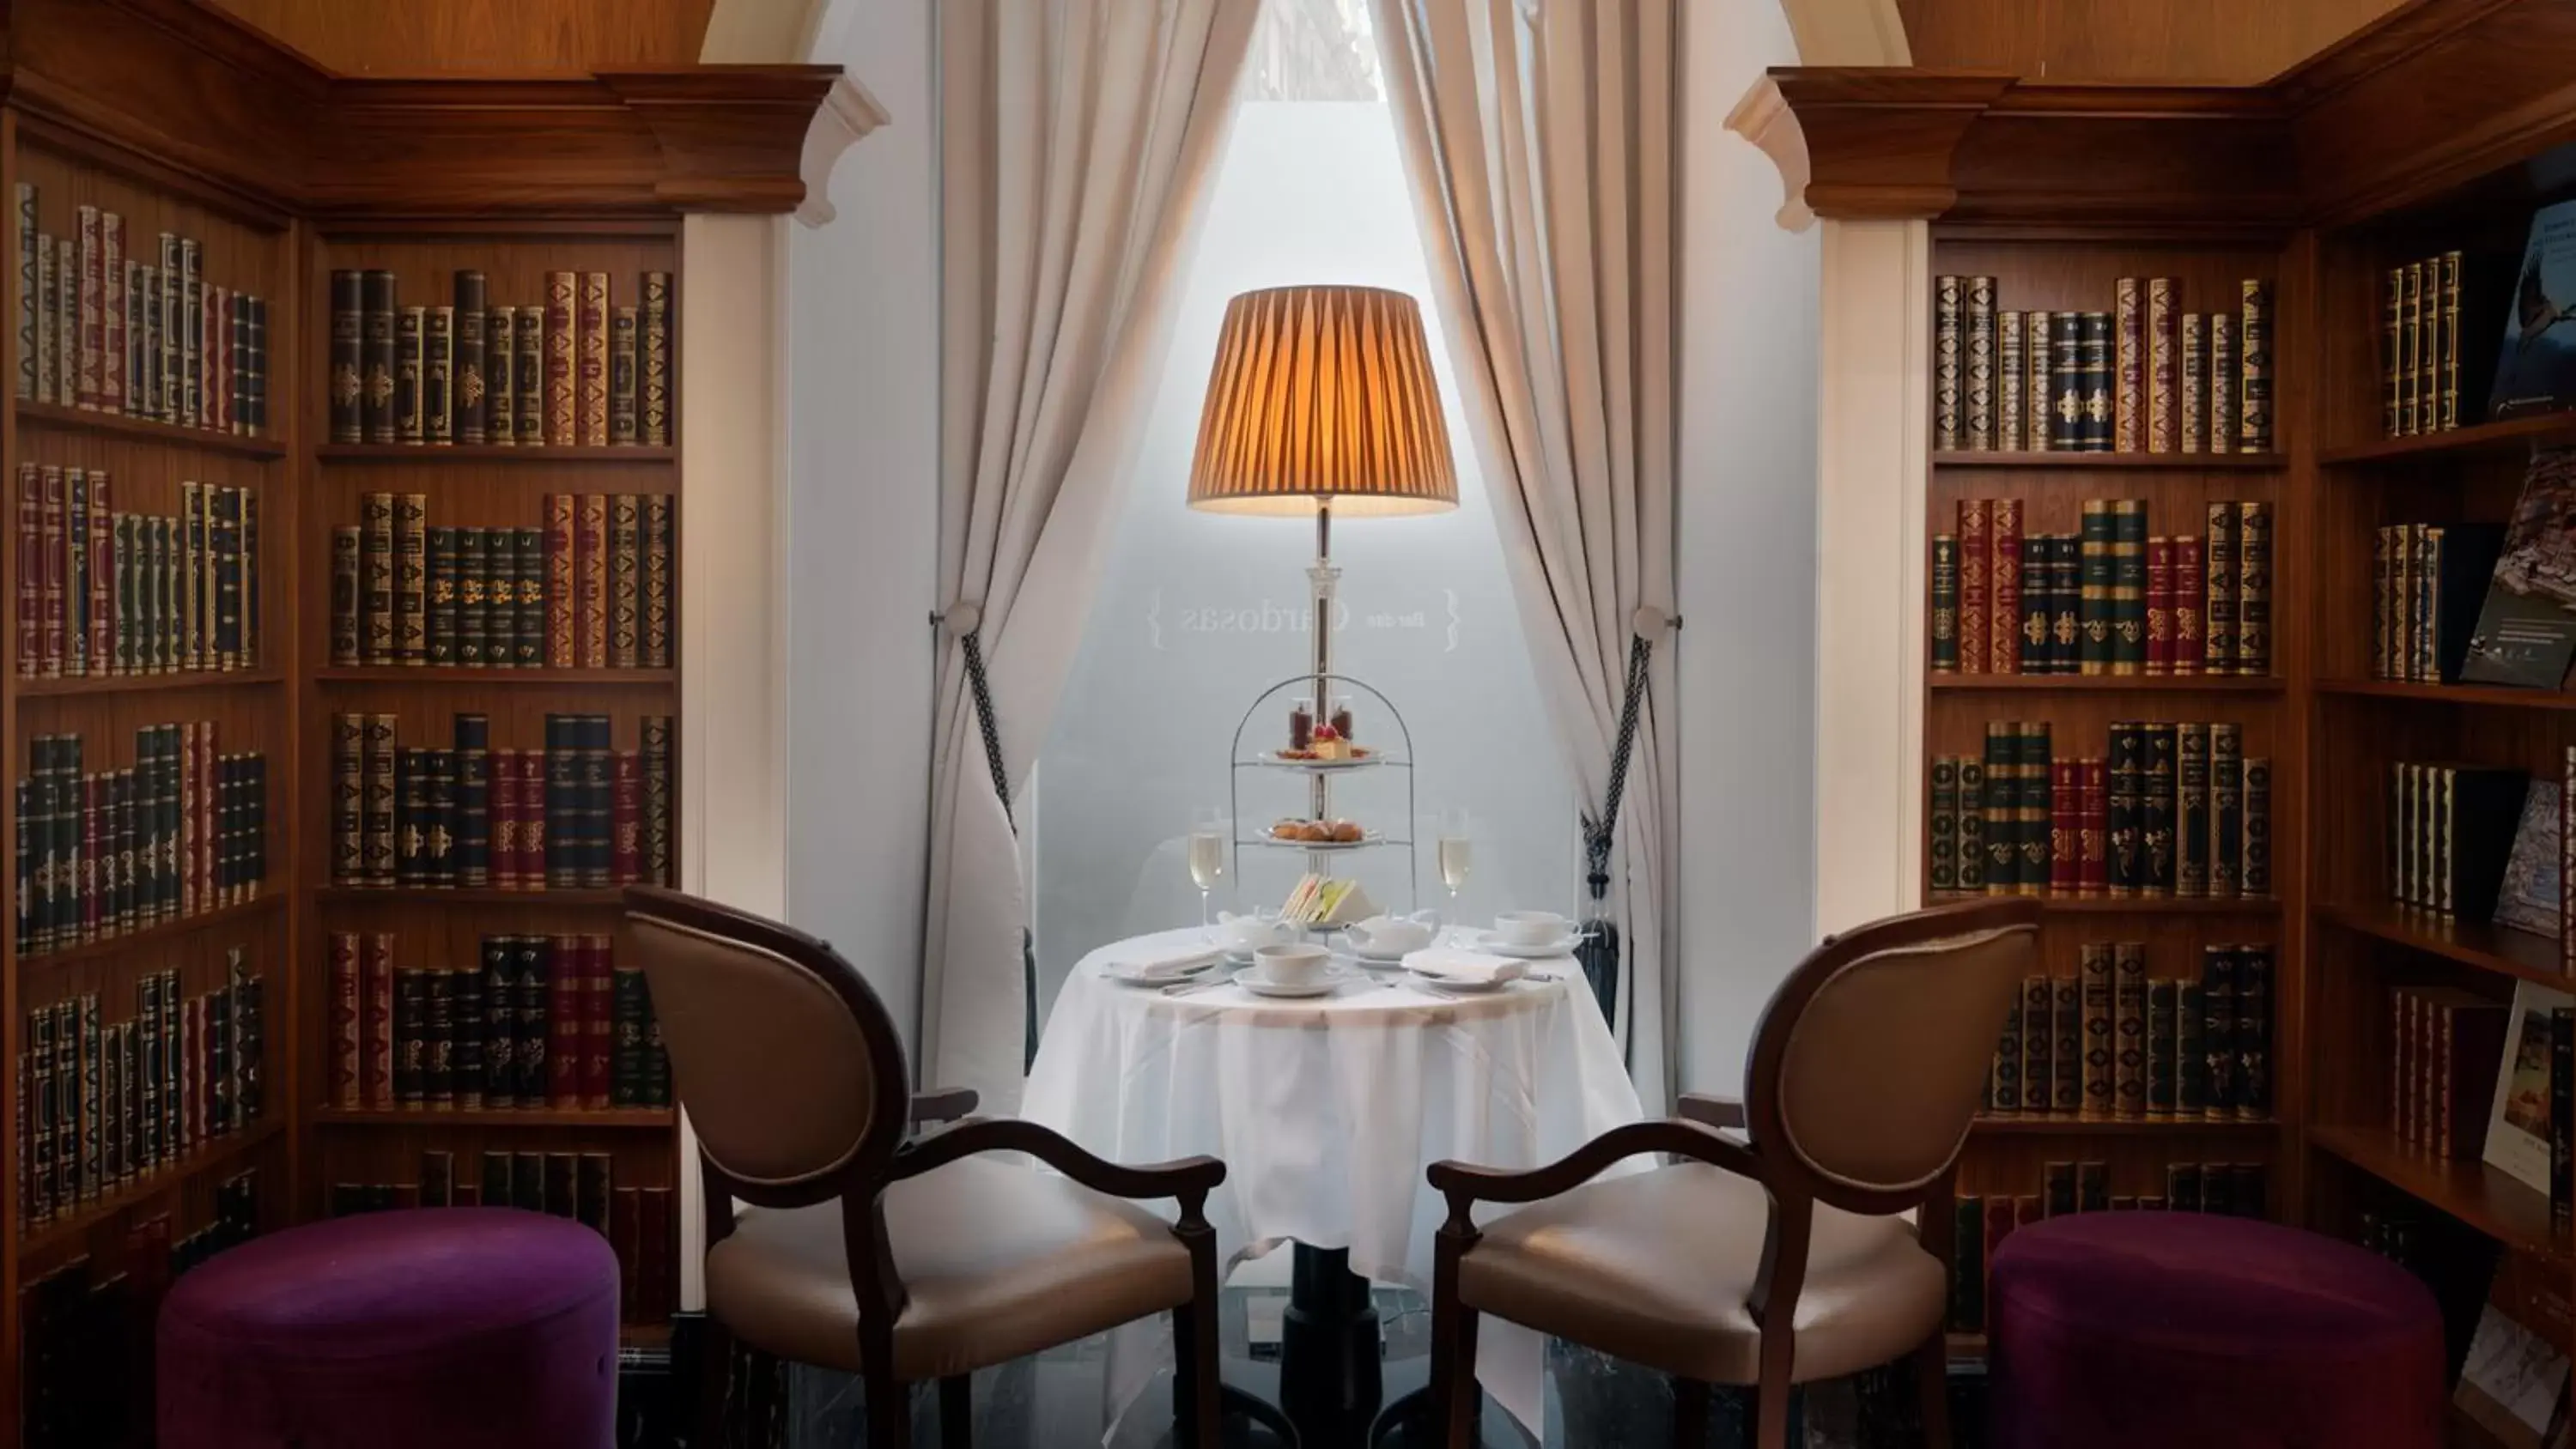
(871,1250)
(1777,1260)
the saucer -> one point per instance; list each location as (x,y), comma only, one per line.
(1561,946)
(1260,985)
(1457,985)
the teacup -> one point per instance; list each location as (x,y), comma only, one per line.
(1291,965)
(1390,935)
(1251,930)
(1531,928)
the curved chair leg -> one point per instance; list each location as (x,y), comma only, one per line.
(1932,1389)
(1690,1413)
(1198,1391)
(957,1412)
(1771,1414)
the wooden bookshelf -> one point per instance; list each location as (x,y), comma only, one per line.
(180,118)
(2129,684)
(2320,179)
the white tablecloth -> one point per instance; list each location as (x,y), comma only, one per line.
(1326,1111)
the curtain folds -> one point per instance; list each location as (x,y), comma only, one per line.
(1077,141)
(1538,139)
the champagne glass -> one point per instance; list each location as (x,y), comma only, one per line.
(1207,858)
(1457,853)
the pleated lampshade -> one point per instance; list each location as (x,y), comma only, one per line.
(1322,392)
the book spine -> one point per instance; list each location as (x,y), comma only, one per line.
(623,360)
(528,626)
(505,821)
(2012,374)
(2254,331)
(2004,587)
(1998,805)
(2129,367)
(2392,355)
(501,376)
(2066,1053)
(566,1023)
(2095,994)
(411,578)
(2031,808)
(2128,586)
(2254,878)
(411,816)
(443,623)
(2446,361)
(657,376)
(658,601)
(473,817)
(438,377)
(348,365)
(1972,815)
(626,820)
(500,598)
(2160,606)
(2094,589)
(376,577)
(2163,362)
(48,319)
(2038,1043)
(2195,383)
(2254,589)
(2039,388)
(471,393)
(562,384)
(1941,817)
(602,1029)
(2220,588)
(29,297)
(1945,603)
(2093,863)
(2066,382)
(2129,1027)
(438,846)
(2191,1067)
(2035,653)
(590,567)
(376,1044)
(411,373)
(112,275)
(2252,1094)
(2127,809)
(67,326)
(531,374)
(2095,381)
(31,570)
(1976,598)
(2562,1116)
(2226,381)
(2162,1082)
(531,1048)
(2226,811)
(2191,810)
(625,582)
(192,334)
(378,841)
(89,306)
(1977,365)
(654,734)
(592,363)
(2566,862)
(2157,830)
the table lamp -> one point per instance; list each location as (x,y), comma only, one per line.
(1322,401)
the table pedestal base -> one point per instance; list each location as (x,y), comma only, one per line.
(1330,1381)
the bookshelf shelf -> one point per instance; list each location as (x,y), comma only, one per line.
(2482,695)
(2489,947)
(2511,435)
(480,678)
(489,453)
(159,934)
(2045,1126)
(469,896)
(208,1156)
(2491,1201)
(2107,683)
(148,683)
(2135,906)
(54,417)
(648,1118)
(2176,462)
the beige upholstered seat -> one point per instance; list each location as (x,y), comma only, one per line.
(1657,1269)
(999,1261)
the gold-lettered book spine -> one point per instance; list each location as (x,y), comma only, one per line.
(657,379)
(563,400)
(592,372)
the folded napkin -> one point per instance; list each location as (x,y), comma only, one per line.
(1170,965)
(1456,963)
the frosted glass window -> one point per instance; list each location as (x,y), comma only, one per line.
(1197,613)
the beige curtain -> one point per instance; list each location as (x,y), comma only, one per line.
(1077,140)
(1538,138)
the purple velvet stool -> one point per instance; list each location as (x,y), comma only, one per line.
(2158,1329)
(402,1330)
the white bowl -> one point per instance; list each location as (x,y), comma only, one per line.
(1292,965)
(1531,928)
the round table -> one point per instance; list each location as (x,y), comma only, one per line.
(1326,1112)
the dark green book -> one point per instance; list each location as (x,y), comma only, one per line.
(2157,824)
(2128,586)
(2125,809)
(2003,1082)
(2191,1063)
(1972,824)
(473,580)
(2038,606)
(445,619)
(2065,594)
(500,1022)
(411,365)
(2093,380)
(626,1067)
(1943,818)
(529,634)
(2001,808)
(472,401)
(2218,1027)
(2038,1044)
(2226,810)
(2094,598)
(1945,603)
(2032,816)
(377,304)
(2163,1063)
(2191,810)
(501,598)
(2066,421)
(2253,1033)
(2066,1054)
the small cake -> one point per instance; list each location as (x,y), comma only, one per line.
(1328,744)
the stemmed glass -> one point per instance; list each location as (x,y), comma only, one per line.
(1207,858)
(1456,854)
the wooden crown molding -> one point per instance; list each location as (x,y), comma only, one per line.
(192,87)
(2435,94)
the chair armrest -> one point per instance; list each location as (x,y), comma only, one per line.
(942,1104)
(1190,1179)
(1708,1111)
(1464,1183)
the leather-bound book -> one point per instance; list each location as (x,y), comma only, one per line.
(192,331)
(2032,808)
(1999,807)
(2095,381)
(2066,1054)
(501,376)
(2066,574)
(2253,1033)
(630,1066)
(566,1023)
(2183,1187)
(2254,332)
(496,960)
(528,635)
(438,377)
(29,294)
(626,569)
(2190,585)
(411,1037)
(2065,828)
(1977,340)
(532,1049)
(562,802)
(2191,810)
(443,622)
(2392,374)
(31,570)
(2094,601)
(438,1039)
(411,816)
(376,576)
(597,1032)
(563,345)
(2409,306)
(193,603)
(2057,1188)
(1941,820)
(473,597)
(2093,1186)
(377,830)
(2225,379)
(655,734)
(528,1182)
(2254,875)
(2218,1028)
(2156,832)
(2128,585)
(348,386)
(2163,1064)
(2220,583)
(437,1179)
(411,375)
(1976,575)
(660,374)
(469,393)
(2003,587)
(439,846)
(2003,1080)
(591,365)
(535,830)
(377,305)
(49,314)
(2226,810)
(2254,588)
(505,820)
(624,358)
(560,554)
(658,603)
(496,1185)
(2038,1045)
(500,598)
(2128,366)
(2159,660)
(112,313)
(590,1196)
(2129,1026)
(1972,816)
(2162,382)
(87,284)
(1945,602)
(2191,1061)
(2193,415)
(590,585)
(2066,382)
(2012,379)
(626,821)
(2127,808)
(530,371)
(473,800)
(411,578)
(2039,388)
(55,605)
(2099,1032)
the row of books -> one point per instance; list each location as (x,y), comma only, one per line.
(576,814)
(1980,1223)
(2425,369)
(2476,842)
(103,331)
(105,593)
(537,1022)
(2110,1042)
(104,1104)
(183,829)
(2427,582)
(87,1368)
(2145,377)
(639,1222)
(575,370)
(2445,1042)
(588,589)
(2173,810)
(2109,600)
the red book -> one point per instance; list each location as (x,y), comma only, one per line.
(31,570)
(376,1020)
(2160,602)
(2189,582)
(2065,827)
(341,1053)
(561,652)
(598,1039)
(2003,580)
(590,580)
(626,819)
(2093,867)
(567,1020)
(102,572)
(1976,599)
(111,258)
(51,521)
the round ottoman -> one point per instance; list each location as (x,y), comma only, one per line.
(2158,1329)
(426,1329)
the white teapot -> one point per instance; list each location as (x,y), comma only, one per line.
(1394,935)
(1251,930)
